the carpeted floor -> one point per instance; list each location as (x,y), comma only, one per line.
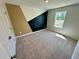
(44,45)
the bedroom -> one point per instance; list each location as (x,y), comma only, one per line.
(49,28)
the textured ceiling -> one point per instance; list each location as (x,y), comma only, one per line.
(42,5)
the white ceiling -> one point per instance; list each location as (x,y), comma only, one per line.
(42,5)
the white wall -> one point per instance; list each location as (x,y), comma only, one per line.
(3,35)
(5,32)
(30,12)
(76,52)
(71,25)
(3,52)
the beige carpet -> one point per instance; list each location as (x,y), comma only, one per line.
(44,45)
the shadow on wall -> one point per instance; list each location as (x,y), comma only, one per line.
(38,23)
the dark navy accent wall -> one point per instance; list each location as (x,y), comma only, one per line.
(39,22)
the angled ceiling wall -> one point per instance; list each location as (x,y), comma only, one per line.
(43,5)
(30,12)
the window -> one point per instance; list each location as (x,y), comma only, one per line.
(59,19)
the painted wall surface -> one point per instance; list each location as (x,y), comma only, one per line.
(71,24)
(12,42)
(30,12)
(76,52)
(3,52)
(5,32)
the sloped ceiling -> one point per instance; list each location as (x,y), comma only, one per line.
(41,3)
(31,13)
